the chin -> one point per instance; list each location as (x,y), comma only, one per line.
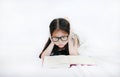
(61,46)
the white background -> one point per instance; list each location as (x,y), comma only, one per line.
(24,28)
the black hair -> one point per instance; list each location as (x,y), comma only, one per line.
(61,24)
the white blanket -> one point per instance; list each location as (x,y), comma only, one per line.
(104,68)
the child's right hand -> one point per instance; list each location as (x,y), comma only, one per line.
(51,40)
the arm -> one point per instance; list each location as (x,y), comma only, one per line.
(73,44)
(48,50)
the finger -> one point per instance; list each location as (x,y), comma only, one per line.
(76,40)
(70,41)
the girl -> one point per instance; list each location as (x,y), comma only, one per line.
(61,41)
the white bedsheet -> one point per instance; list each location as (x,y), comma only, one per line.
(24,31)
(103,68)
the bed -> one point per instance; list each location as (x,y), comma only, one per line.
(105,67)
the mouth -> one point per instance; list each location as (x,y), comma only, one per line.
(60,45)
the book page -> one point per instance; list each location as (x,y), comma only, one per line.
(66,61)
(81,60)
(56,61)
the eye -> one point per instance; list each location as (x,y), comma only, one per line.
(55,39)
(64,38)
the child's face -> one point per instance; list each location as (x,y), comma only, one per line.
(60,38)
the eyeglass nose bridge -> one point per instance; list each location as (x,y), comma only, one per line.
(59,38)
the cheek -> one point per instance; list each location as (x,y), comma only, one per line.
(65,42)
(55,43)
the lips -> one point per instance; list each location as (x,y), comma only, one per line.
(60,45)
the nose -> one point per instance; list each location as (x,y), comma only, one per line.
(60,41)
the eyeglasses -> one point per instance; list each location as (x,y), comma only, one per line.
(63,38)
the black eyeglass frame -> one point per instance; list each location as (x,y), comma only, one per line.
(59,38)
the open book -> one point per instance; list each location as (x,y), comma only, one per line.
(67,61)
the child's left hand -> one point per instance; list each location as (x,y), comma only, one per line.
(73,43)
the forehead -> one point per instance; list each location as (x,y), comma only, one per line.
(58,33)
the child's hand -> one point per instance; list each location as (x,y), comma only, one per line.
(73,43)
(73,40)
(51,40)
